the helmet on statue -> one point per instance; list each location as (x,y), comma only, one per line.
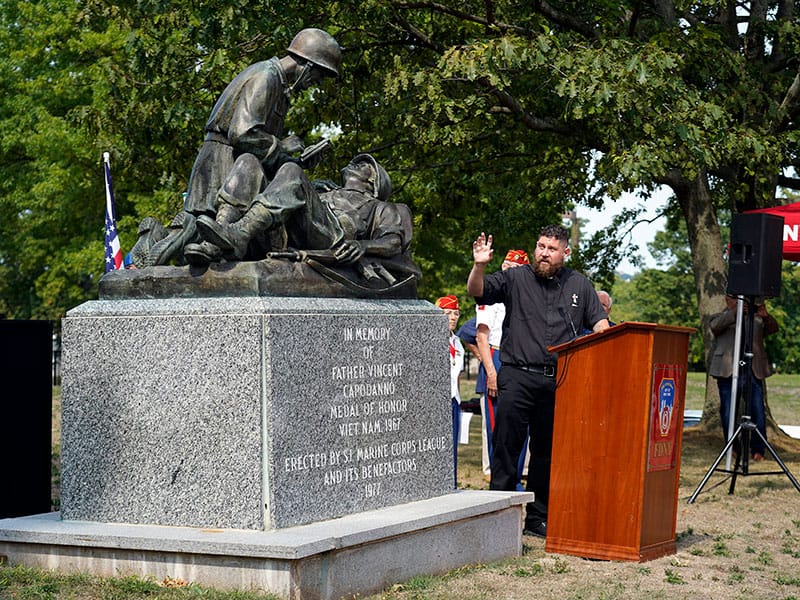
(319,48)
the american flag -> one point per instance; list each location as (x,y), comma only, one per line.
(113,250)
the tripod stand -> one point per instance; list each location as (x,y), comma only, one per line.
(746,425)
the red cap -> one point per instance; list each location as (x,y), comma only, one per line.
(449,302)
(518,256)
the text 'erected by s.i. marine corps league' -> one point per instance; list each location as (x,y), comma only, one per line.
(368,410)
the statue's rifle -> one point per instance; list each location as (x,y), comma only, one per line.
(373,272)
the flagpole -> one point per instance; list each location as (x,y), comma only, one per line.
(113,254)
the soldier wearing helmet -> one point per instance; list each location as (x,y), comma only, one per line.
(352,221)
(248,118)
(378,178)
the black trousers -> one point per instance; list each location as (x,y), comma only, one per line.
(525,401)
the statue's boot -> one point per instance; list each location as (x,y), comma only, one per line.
(202,254)
(227,213)
(234,238)
(150,233)
(182,230)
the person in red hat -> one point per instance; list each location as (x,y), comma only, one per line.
(489,325)
(449,304)
(516,258)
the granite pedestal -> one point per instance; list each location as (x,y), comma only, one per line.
(252,413)
(346,557)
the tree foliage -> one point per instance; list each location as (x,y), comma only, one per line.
(48,229)
(665,295)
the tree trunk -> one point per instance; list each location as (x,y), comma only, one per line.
(710,270)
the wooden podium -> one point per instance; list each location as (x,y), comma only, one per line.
(617,443)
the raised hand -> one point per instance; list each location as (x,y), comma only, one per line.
(482,249)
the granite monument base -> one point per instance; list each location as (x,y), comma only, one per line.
(252,413)
(350,556)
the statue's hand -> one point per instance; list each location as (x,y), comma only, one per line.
(324,185)
(348,251)
(292,145)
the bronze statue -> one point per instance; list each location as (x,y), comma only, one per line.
(252,220)
(247,118)
(353,225)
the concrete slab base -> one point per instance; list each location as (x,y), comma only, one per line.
(355,554)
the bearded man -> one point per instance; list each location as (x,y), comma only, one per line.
(546,304)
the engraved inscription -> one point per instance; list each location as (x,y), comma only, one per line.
(376,443)
(369,409)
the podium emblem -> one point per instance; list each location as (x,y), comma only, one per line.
(663,418)
(666,402)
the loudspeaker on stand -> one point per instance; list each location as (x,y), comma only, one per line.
(755,255)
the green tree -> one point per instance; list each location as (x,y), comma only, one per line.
(611,97)
(624,96)
(665,295)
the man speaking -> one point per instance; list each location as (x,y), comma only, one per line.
(546,304)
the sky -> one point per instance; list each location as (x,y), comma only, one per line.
(643,233)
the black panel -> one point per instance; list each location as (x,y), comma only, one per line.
(25,424)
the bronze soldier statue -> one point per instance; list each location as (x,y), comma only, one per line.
(247,118)
(354,224)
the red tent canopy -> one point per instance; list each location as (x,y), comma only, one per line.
(791,228)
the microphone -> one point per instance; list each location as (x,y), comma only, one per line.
(568,317)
